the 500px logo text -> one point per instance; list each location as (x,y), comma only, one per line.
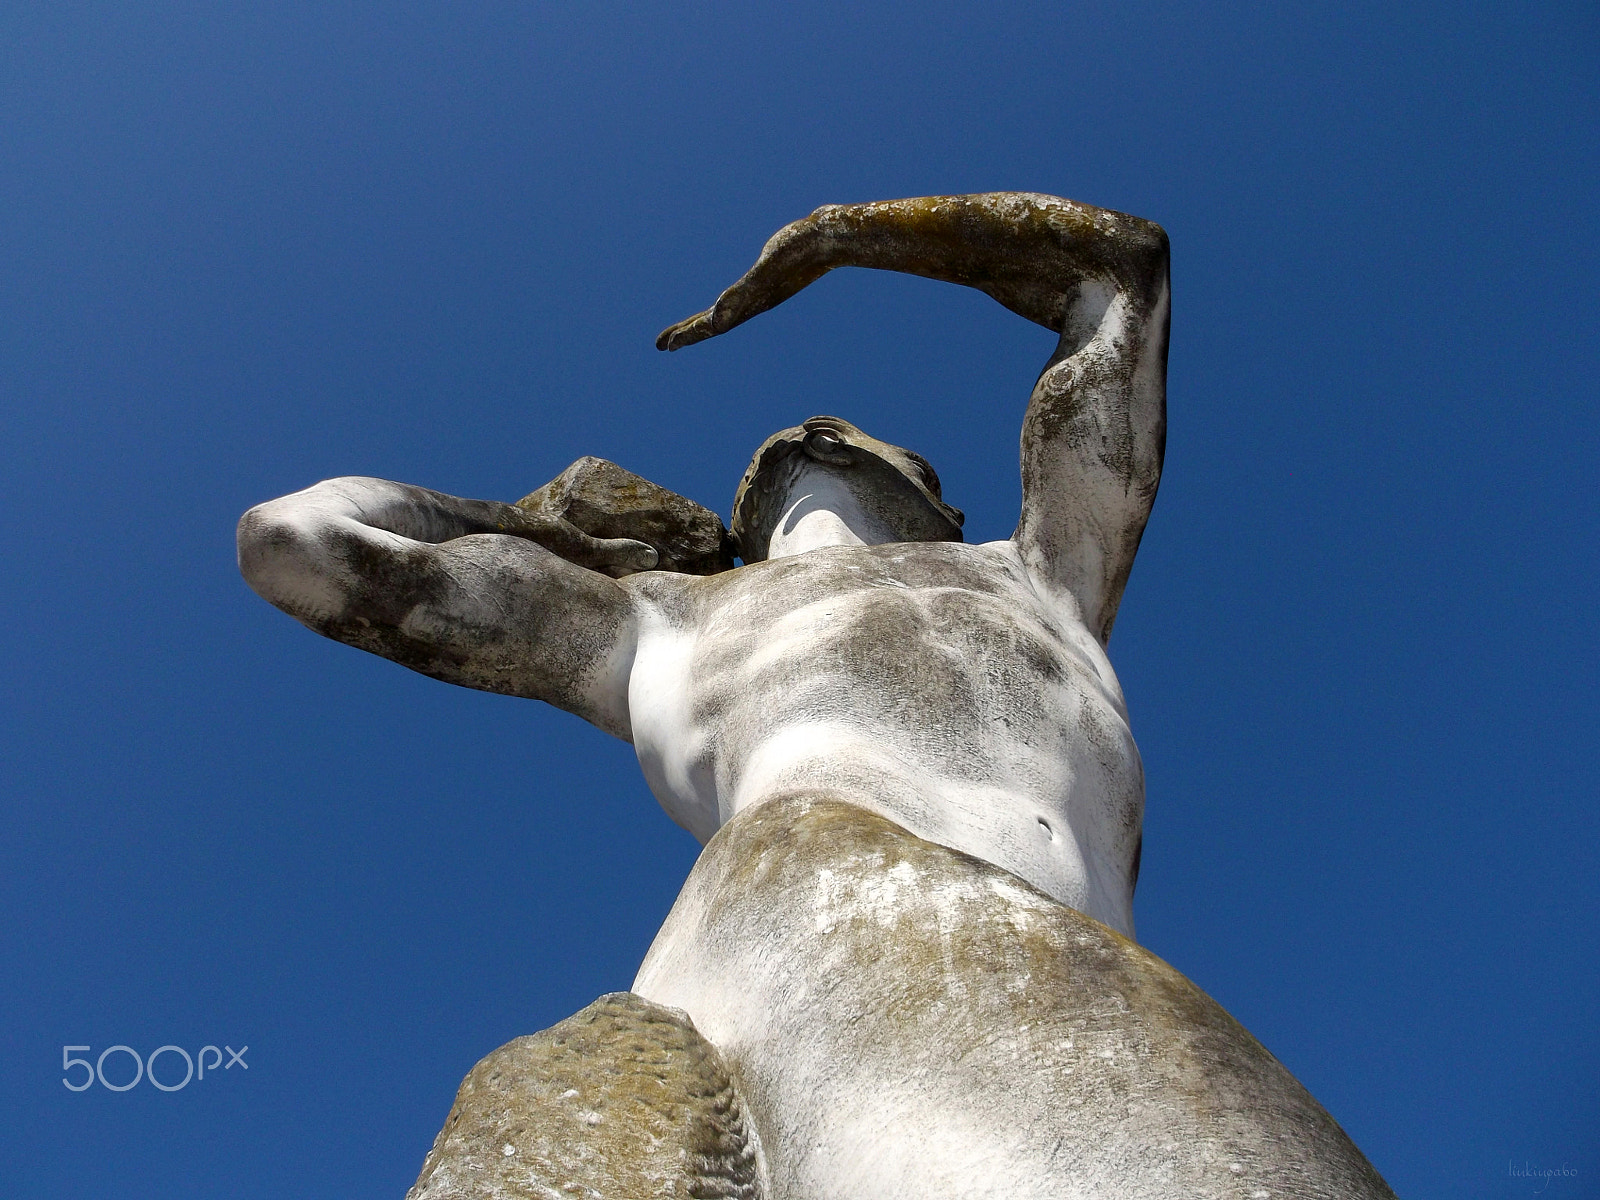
(145,1068)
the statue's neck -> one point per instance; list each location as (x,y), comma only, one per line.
(823,512)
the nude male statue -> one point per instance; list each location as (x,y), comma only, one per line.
(912,746)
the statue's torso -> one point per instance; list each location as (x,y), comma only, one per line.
(928,682)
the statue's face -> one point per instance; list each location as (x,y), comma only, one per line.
(897,489)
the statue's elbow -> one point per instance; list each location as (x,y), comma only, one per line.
(1151,250)
(282,559)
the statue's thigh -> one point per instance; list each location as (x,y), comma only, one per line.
(624,1099)
(904,1021)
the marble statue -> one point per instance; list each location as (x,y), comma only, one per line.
(903,964)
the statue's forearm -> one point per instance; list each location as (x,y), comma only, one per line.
(315,552)
(419,513)
(1027,251)
(329,539)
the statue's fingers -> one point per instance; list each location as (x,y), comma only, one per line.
(615,557)
(623,556)
(686,333)
(612,556)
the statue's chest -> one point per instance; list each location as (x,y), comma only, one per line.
(907,662)
(965,680)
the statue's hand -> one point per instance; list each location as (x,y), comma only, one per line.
(689,331)
(793,257)
(615,557)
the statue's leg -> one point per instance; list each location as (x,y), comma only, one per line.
(905,1021)
(622,1101)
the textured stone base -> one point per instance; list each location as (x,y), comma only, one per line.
(622,1101)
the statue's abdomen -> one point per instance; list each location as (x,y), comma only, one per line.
(961,711)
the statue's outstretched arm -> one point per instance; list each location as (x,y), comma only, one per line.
(1095,429)
(462,590)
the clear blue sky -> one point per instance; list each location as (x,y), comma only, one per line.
(247,246)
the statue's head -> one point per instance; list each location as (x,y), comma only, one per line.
(897,489)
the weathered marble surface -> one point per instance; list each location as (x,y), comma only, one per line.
(905,1021)
(913,985)
(623,1100)
(962,691)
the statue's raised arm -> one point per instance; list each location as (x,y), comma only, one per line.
(1095,428)
(474,592)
